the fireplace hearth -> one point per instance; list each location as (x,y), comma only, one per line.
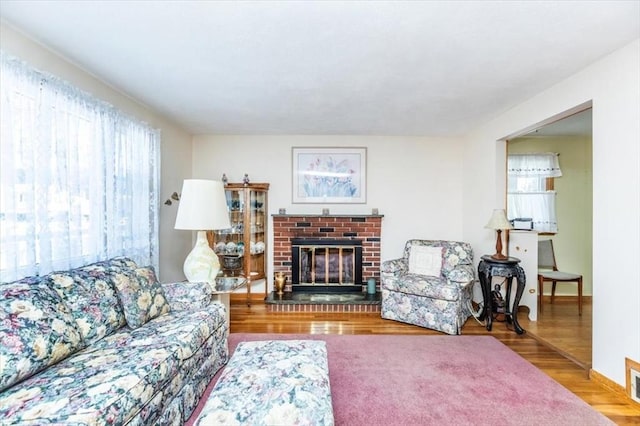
(322,302)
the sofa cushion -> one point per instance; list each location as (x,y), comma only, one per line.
(36,330)
(91,295)
(119,263)
(127,375)
(187,330)
(141,296)
(106,383)
(425,260)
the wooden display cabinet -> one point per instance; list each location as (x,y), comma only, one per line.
(242,249)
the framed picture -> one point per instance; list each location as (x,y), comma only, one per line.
(329,175)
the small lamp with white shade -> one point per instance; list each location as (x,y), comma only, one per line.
(203,207)
(499,222)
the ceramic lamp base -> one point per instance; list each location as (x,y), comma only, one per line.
(202,264)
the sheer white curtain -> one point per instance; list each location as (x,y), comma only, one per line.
(539,206)
(541,164)
(79,178)
(527,196)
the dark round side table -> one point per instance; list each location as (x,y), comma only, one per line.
(508,268)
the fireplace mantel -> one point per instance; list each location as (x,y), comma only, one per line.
(302,215)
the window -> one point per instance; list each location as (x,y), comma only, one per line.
(530,192)
(79,178)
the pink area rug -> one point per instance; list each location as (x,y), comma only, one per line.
(437,380)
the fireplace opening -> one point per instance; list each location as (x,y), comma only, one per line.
(326,265)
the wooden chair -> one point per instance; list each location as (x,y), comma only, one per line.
(548,271)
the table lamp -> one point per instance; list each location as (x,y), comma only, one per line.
(203,207)
(499,222)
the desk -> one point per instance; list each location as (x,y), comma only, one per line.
(224,287)
(508,268)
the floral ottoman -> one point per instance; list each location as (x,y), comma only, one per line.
(275,382)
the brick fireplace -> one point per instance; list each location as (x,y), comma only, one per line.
(364,230)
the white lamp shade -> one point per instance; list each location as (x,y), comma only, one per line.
(498,220)
(203,206)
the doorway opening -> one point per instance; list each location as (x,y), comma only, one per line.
(570,135)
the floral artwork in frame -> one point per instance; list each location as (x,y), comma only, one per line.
(329,175)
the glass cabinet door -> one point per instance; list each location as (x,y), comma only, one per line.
(229,243)
(257,236)
(241,249)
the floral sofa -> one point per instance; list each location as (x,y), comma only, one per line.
(106,344)
(430,286)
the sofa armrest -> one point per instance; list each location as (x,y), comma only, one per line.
(186,295)
(460,274)
(395,266)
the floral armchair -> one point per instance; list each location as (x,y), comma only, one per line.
(430,286)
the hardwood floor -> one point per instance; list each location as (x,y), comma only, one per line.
(571,373)
(560,327)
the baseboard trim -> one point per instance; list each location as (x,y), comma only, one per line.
(610,385)
(566,299)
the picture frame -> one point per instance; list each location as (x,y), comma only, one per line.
(329,175)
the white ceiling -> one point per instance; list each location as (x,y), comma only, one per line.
(435,68)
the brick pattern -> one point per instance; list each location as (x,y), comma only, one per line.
(340,227)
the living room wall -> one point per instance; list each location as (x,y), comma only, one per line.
(415,182)
(612,86)
(573,242)
(176,143)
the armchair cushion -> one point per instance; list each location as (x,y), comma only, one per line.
(425,260)
(454,253)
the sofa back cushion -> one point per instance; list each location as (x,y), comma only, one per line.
(142,297)
(91,294)
(36,330)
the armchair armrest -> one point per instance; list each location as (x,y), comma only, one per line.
(460,274)
(395,266)
(186,295)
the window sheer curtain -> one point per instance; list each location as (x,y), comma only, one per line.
(527,196)
(80,179)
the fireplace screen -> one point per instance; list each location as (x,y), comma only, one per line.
(322,262)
